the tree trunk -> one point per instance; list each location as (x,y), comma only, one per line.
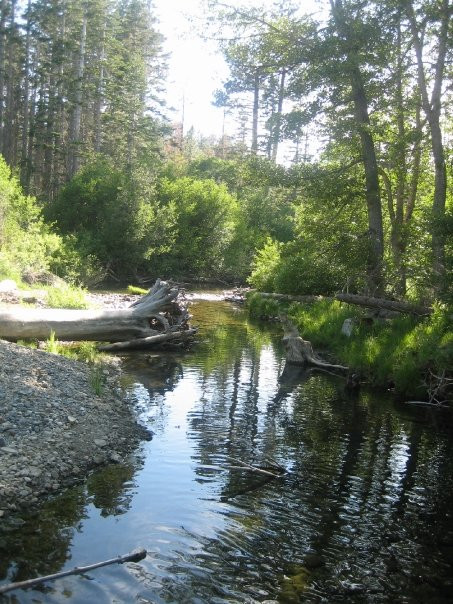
(74,156)
(143,319)
(99,95)
(373,196)
(25,124)
(382,303)
(278,118)
(2,63)
(367,301)
(10,110)
(432,109)
(256,99)
(300,351)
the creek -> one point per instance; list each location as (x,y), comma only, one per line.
(364,513)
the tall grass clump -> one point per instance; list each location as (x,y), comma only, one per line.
(264,308)
(67,297)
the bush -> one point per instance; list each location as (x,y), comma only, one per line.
(113,218)
(204,219)
(27,244)
(265,266)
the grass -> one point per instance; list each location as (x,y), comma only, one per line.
(67,297)
(132,289)
(81,351)
(400,352)
(97,379)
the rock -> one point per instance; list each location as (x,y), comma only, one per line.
(9,450)
(100,442)
(312,561)
(348,327)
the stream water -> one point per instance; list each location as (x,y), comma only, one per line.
(364,513)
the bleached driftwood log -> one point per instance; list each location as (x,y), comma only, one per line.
(157,313)
(300,351)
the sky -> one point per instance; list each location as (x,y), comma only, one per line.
(196,68)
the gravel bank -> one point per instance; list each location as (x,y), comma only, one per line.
(53,427)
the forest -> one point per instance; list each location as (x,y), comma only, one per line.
(97,184)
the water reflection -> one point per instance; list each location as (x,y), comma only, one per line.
(362,515)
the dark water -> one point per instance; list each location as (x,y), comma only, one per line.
(363,515)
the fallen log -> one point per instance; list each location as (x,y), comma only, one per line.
(383,303)
(366,301)
(157,312)
(306,299)
(300,351)
(134,556)
(146,342)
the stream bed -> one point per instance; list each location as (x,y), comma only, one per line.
(363,514)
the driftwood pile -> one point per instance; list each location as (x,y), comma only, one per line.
(160,316)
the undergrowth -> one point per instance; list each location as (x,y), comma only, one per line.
(67,297)
(400,352)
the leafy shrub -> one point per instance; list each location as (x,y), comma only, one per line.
(27,244)
(265,266)
(113,217)
(204,219)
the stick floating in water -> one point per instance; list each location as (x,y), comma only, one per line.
(135,556)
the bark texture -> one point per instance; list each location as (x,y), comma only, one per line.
(156,314)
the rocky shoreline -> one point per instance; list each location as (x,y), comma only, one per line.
(54,427)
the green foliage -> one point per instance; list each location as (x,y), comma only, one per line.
(265,266)
(67,297)
(263,308)
(52,344)
(77,265)
(204,219)
(26,242)
(112,215)
(97,379)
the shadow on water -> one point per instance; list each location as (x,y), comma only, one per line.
(362,514)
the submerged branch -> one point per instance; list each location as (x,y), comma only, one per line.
(134,556)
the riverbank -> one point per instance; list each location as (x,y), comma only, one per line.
(59,419)
(54,427)
(411,356)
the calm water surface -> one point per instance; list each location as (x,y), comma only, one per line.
(364,513)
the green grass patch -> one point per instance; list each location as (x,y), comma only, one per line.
(401,352)
(82,351)
(133,289)
(67,297)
